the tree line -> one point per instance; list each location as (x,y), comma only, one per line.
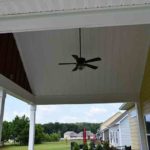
(18,130)
(61,128)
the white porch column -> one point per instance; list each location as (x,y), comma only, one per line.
(32,127)
(142,132)
(2,104)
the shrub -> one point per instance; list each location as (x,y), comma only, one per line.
(106,146)
(85,147)
(113,148)
(46,137)
(54,137)
(92,146)
(99,147)
(76,147)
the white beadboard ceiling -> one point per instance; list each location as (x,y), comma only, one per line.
(12,7)
(123,51)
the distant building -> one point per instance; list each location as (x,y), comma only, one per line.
(73,135)
(89,135)
(70,135)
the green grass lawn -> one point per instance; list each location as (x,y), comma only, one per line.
(43,146)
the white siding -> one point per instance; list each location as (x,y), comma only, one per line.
(114,136)
(125,132)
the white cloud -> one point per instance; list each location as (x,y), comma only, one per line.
(60,113)
(7,116)
(46,112)
(70,119)
(94,111)
(47,108)
(20,113)
(74,119)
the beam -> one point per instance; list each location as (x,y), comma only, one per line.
(127,15)
(32,127)
(2,105)
(16,91)
(87,99)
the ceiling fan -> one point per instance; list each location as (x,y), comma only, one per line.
(81,62)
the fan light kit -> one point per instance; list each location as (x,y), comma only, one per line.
(80,61)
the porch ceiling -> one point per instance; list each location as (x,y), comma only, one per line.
(123,51)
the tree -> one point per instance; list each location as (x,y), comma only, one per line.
(38,134)
(6,132)
(20,129)
(24,135)
(63,127)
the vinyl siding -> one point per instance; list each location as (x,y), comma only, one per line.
(146,107)
(112,136)
(125,132)
(134,129)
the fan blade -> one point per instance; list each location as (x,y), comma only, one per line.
(91,66)
(93,60)
(67,63)
(75,57)
(76,68)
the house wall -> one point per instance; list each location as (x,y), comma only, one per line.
(106,135)
(114,139)
(66,136)
(125,132)
(134,129)
(145,91)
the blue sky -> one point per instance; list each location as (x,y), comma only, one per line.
(61,113)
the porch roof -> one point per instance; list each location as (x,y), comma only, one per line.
(118,32)
(16,7)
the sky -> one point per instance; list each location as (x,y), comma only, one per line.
(94,113)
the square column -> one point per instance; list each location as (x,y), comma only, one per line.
(2,104)
(32,127)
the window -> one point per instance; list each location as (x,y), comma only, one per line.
(116,137)
(111,137)
(147,122)
(148,138)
